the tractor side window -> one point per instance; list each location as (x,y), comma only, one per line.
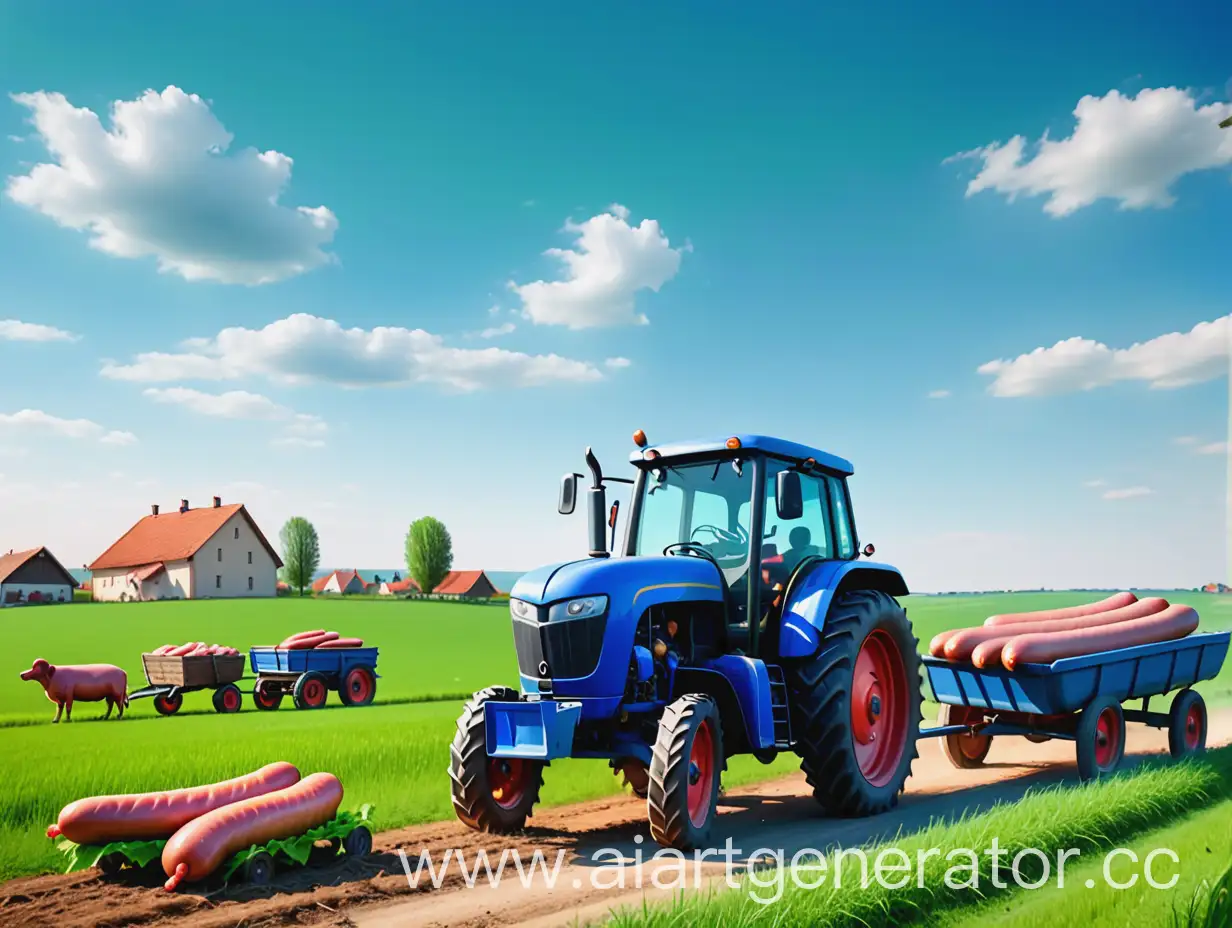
(660,523)
(795,539)
(846,547)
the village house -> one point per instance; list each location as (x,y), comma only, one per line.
(212,552)
(398,587)
(340,581)
(466,584)
(34,576)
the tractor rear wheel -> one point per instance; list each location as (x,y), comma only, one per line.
(493,794)
(855,705)
(685,771)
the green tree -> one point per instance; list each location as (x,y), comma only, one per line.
(429,552)
(301,553)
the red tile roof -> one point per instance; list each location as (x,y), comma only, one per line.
(459,582)
(174,536)
(9,563)
(344,580)
(403,586)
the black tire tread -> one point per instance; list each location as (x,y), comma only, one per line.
(468,757)
(667,803)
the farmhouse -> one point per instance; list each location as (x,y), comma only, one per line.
(216,551)
(398,587)
(468,584)
(340,581)
(34,576)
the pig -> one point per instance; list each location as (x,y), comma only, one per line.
(85,682)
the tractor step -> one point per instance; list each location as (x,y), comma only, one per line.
(779,710)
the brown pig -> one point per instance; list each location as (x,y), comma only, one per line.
(80,682)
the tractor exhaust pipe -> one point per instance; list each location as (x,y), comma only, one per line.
(596,508)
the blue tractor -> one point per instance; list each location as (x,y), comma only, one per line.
(740,619)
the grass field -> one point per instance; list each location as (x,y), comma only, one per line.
(392,754)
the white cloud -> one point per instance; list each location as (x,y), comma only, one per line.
(35,420)
(234,404)
(14,330)
(611,262)
(1217,447)
(1127,493)
(1185,440)
(1128,149)
(1173,360)
(297,441)
(617,364)
(306,349)
(1097,482)
(160,182)
(497,331)
(938,394)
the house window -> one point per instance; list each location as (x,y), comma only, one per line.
(250,583)
(220,555)
(237,531)
(218,582)
(249,557)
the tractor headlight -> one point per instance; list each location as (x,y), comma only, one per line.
(585,607)
(522,610)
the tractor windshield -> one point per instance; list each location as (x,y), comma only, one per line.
(707,504)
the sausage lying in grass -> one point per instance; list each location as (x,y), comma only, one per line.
(1115,601)
(961,646)
(200,847)
(138,816)
(1176,621)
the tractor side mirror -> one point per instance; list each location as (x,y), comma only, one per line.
(568,495)
(788,497)
(869,550)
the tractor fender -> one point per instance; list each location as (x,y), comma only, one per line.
(741,687)
(810,596)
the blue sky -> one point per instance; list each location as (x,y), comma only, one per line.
(774,192)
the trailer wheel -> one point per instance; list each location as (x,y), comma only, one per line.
(266,695)
(1100,738)
(259,869)
(685,771)
(227,699)
(310,690)
(855,705)
(493,794)
(168,703)
(635,775)
(964,751)
(358,687)
(1187,724)
(359,842)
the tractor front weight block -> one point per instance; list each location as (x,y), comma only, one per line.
(534,730)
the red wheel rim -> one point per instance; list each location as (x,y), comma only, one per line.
(879,700)
(1195,721)
(1107,739)
(314,692)
(359,685)
(701,775)
(230,700)
(507,778)
(266,695)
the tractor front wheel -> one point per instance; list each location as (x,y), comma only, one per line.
(493,794)
(685,771)
(855,705)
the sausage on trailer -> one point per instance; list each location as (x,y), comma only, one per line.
(342,643)
(1176,621)
(136,816)
(301,644)
(197,849)
(961,646)
(936,647)
(297,635)
(1116,601)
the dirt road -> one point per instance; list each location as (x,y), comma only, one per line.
(376,893)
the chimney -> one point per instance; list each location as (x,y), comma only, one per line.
(217,501)
(154,509)
(183,505)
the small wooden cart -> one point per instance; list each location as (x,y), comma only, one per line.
(169,678)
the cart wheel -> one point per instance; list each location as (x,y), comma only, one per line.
(966,752)
(266,695)
(310,691)
(227,698)
(359,842)
(259,869)
(1187,724)
(110,864)
(168,703)
(1100,738)
(358,687)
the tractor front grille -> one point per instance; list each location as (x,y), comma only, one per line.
(558,650)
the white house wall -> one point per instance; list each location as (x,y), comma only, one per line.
(228,577)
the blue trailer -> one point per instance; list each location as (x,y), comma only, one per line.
(308,674)
(1077,699)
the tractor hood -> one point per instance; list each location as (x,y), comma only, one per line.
(631,583)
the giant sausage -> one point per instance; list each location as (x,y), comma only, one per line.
(342,643)
(1176,621)
(137,816)
(300,644)
(200,847)
(1116,601)
(311,634)
(962,644)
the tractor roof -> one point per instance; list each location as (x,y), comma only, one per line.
(774,446)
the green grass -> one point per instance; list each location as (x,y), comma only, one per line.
(1091,818)
(1203,843)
